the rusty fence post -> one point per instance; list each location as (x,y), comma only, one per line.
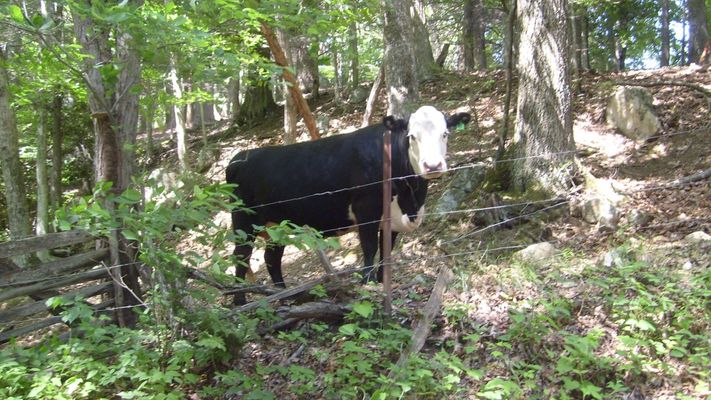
(386,228)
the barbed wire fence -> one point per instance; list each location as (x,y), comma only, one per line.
(556,202)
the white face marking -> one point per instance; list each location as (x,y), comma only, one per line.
(400,222)
(428,142)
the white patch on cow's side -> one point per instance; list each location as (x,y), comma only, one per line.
(428,132)
(400,222)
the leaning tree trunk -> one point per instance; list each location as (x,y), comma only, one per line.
(13,175)
(399,58)
(543,141)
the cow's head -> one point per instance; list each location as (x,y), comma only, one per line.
(427,130)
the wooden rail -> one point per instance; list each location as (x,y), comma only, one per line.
(66,277)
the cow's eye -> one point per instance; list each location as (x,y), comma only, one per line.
(445,134)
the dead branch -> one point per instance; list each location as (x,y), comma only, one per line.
(294,291)
(424,325)
(324,261)
(699,176)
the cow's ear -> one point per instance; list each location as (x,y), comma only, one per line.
(393,124)
(459,119)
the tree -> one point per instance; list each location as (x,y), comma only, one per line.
(399,58)
(699,39)
(543,141)
(665,36)
(12,172)
(473,43)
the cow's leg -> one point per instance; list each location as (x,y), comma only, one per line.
(368,235)
(393,237)
(272,257)
(243,249)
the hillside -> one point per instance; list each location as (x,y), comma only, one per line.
(617,312)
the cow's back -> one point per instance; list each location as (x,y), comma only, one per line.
(308,183)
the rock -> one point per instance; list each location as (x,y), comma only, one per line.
(614,258)
(631,110)
(322,123)
(358,95)
(536,252)
(161,185)
(464,182)
(639,218)
(697,237)
(600,211)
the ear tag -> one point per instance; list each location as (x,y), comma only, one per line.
(459,127)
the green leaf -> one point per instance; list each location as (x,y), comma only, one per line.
(16,14)
(348,329)
(129,234)
(364,309)
(212,342)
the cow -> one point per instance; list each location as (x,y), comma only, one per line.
(333,184)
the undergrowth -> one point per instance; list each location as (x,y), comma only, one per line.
(573,330)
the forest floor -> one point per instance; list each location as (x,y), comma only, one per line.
(621,313)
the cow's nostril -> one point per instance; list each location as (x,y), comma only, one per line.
(430,168)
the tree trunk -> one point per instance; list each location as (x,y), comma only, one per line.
(115,114)
(372,97)
(301,105)
(234,87)
(42,224)
(353,54)
(664,52)
(337,76)
(544,128)
(18,213)
(425,65)
(55,173)
(178,115)
(399,59)
(473,44)
(699,39)
(576,42)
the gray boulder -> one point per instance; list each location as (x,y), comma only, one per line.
(631,110)
(465,181)
(536,252)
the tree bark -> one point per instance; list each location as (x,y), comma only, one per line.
(425,65)
(353,54)
(543,141)
(399,59)
(699,39)
(42,218)
(12,172)
(115,113)
(55,173)
(473,44)
(372,97)
(178,115)
(665,35)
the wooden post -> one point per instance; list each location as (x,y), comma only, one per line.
(386,223)
(293,86)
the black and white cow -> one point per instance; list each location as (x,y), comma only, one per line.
(336,183)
